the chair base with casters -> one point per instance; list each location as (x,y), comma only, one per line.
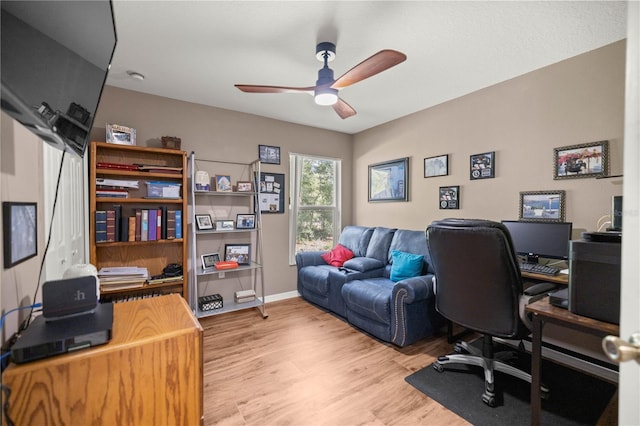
(490,362)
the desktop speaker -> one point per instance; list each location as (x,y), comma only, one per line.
(69,297)
(594,279)
(616,213)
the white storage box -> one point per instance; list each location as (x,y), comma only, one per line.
(163,190)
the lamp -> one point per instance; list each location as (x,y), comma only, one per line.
(326,96)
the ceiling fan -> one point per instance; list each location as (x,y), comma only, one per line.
(326,89)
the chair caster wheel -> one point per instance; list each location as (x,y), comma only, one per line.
(490,400)
(438,367)
(459,348)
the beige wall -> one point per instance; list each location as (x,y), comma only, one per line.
(21,170)
(575,101)
(219,134)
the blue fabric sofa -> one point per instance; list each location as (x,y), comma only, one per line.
(362,290)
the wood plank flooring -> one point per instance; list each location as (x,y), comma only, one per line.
(304,366)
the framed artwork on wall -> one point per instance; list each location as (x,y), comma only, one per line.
(482,166)
(449,197)
(19,231)
(542,206)
(388,181)
(271,192)
(581,161)
(269,154)
(436,166)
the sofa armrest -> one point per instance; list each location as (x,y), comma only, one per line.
(415,288)
(309,258)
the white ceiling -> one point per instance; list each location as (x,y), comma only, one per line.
(197,50)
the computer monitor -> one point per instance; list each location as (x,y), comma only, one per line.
(540,239)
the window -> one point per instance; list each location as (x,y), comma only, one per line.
(315,208)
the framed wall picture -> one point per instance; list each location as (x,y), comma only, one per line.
(244,186)
(223,183)
(19,231)
(271,192)
(581,161)
(436,166)
(388,181)
(240,253)
(482,166)
(224,225)
(269,154)
(203,221)
(449,197)
(209,260)
(246,221)
(542,206)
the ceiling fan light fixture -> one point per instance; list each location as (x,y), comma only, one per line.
(326,96)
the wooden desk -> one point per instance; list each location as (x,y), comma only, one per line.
(544,312)
(558,279)
(150,373)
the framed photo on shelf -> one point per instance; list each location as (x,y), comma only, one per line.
(542,206)
(224,225)
(269,154)
(449,197)
(388,181)
(209,260)
(244,186)
(223,183)
(240,253)
(203,221)
(19,231)
(581,161)
(436,166)
(482,166)
(246,221)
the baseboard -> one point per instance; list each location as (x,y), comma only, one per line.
(281,296)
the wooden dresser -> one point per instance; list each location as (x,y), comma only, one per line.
(150,373)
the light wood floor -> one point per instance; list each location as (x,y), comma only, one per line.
(303,366)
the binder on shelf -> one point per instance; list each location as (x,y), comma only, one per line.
(111,226)
(117,208)
(124,229)
(132,228)
(138,225)
(144,225)
(101,226)
(178,223)
(163,233)
(159,225)
(171,224)
(153,224)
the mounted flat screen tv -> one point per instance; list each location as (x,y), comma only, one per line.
(55,56)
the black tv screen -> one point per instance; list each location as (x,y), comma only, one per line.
(55,56)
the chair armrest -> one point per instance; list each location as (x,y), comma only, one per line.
(416,288)
(309,258)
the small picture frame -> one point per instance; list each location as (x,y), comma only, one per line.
(482,166)
(19,232)
(203,221)
(244,186)
(246,221)
(269,154)
(542,206)
(121,135)
(223,183)
(240,253)
(209,260)
(388,181)
(581,161)
(436,166)
(449,197)
(224,225)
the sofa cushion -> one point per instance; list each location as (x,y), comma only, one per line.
(356,239)
(412,242)
(370,298)
(363,264)
(405,265)
(338,255)
(316,278)
(379,244)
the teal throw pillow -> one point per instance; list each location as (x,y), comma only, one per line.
(405,265)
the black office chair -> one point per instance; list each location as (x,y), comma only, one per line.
(478,286)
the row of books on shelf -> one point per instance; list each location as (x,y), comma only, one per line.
(154,224)
(152,168)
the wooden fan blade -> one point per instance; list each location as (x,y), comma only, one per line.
(381,61)
(343,109)
(249,88)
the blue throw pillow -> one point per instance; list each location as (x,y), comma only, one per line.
(405,265)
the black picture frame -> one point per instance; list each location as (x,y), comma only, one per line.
(20,232)
(246,221)
(203,222)
(436,166)
(209,260)
(389,181)
(449,197)
(482,166)
(269,154)
(542,206)
(271,193)
(240,253)
(586,160)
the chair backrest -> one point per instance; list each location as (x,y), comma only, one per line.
(478,282)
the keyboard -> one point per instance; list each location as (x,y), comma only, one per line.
(536,268)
